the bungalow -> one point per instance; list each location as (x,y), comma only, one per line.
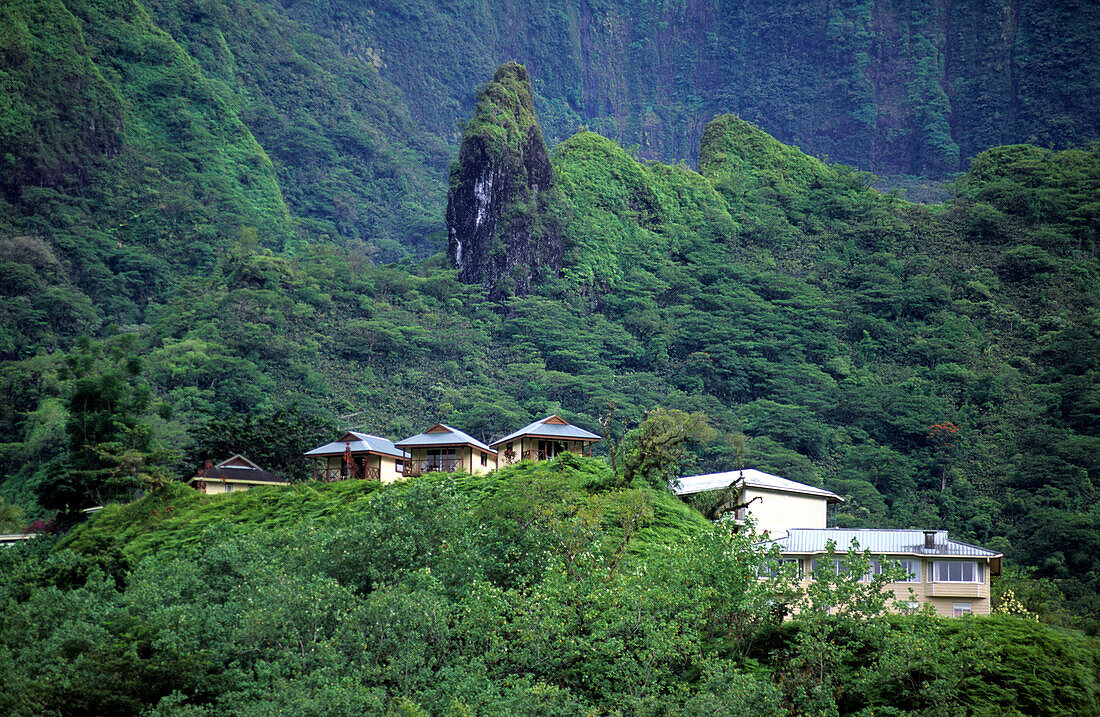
(951,576)
(232,475)
(442,449)
(775,504)
(544,439)
(358,455)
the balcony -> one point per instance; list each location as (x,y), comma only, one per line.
(332,475)
(432,465)
(972,590)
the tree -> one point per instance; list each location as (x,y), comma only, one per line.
(656,451)
(945,437)
(111,450)
(273,439)
(11,517)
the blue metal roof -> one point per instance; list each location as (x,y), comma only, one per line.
(360,443)
(442,435)
(542,429)
(810,541)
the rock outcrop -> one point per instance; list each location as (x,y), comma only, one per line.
(504,214)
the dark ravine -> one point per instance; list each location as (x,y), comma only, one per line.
(504,214)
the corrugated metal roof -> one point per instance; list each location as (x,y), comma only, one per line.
(753,479)
(363,443)
(808,541)
(542,429)
(446,437)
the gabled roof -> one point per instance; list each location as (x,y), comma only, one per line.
(810,541)
(237,469)
(238,461)
(752,479)
(442,435)
(360,443)
(551,427)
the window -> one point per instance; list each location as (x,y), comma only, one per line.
(837,568)
(441,459)
(960,609)
(956,571)
(913,605)
(767,571)
(399,465)
(913,568)
(484,458)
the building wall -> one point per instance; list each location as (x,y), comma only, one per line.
(775,512)
(942,596)
(387,469)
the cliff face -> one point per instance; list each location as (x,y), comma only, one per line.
(504,214)
(913,87)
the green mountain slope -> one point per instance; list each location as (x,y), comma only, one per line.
(835,326)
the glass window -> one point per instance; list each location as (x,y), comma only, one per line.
(874,568)
(956,572)
(484,458)
(767,571)
(961,609)
(913,567)
(836,568)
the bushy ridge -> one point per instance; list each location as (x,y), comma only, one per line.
(538,589)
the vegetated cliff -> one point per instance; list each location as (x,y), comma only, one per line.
(887,86)
(504,215)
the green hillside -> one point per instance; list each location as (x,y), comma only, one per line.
(212,194)
(541,589)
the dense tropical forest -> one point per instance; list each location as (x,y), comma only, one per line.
(224,225)
(542,589)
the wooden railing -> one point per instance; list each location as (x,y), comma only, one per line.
(537,455)
(432,465)
(331,475)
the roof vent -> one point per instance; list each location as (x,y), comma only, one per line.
(929,538)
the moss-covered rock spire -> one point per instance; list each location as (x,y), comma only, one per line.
(504,214)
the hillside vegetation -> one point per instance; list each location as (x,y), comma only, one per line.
(540,589)
(236,232)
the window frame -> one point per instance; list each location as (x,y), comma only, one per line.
(766,572)
(939,577)
(917,573)
(962,609)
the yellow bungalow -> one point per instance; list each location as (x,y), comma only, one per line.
(442,449)
(544,439)
(233,475)
(358,455)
